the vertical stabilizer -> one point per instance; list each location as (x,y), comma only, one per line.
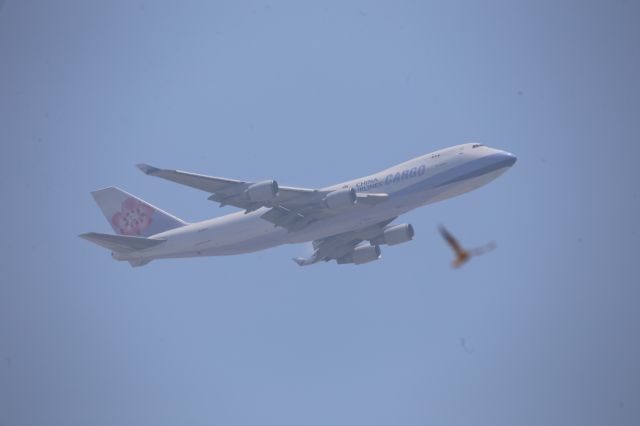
(129,215)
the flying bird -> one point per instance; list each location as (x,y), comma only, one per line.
(463,255)
(463,343)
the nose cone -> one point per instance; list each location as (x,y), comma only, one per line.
(503,158)
(508,158)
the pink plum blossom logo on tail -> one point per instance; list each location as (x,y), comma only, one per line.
(133,218)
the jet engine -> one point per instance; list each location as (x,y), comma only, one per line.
(361,254)
(394,234)
(340,199)
(261,192)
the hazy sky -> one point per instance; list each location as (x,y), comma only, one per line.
(543,331)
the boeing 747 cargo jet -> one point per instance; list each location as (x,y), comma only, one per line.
(347,222)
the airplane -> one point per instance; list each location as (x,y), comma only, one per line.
(347,222)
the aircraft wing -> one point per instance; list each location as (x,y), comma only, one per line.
(290,207)
(229,191)
(338,246)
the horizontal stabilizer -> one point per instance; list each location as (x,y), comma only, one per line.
(121,243)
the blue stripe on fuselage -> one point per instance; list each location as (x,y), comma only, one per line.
(468,170)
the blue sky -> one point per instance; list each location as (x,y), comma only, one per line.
(544,330)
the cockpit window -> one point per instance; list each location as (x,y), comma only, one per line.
(475,145)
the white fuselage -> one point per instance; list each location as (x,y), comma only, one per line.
(414,183)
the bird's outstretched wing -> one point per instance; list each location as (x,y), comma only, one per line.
(451,240)
(483,249)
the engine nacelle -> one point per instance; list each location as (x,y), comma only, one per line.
(395,234)
(261,192)
(361,254)
(340,199)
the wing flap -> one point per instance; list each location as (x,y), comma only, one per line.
(288,219)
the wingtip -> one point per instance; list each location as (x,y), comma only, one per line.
(147,169)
